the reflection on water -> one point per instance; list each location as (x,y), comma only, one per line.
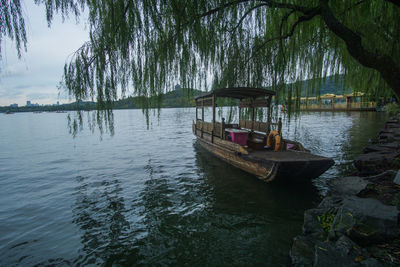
(99,213)
(340,136)
(146,197)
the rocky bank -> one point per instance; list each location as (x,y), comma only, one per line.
(357,223)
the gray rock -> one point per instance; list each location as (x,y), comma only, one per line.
(342,222)
(375,162)
(392,124)
(388,147)
(389,174)
(397,178)
(302,252)
(351,185)
(343,252)
(386,138)
(371,262)
(365,220)
(331,202)
(312,226)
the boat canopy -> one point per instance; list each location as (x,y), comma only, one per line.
(249,97)
(238,93)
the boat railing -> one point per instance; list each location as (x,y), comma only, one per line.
(256,138)
(218,129)
(209,128)
(254,125)
(204,130)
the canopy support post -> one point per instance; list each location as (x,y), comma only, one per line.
(268,130)
(252,115)
(240,115)
(223,129)
(202,117)
(280,126)
(213,119)
(196,112)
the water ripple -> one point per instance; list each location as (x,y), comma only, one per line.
(147,197)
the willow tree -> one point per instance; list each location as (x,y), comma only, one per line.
(150,45)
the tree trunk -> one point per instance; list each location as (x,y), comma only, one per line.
(384,64)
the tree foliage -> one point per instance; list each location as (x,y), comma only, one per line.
(150,45)
(12,24)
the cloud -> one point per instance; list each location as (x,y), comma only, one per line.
(13,71)
(40,96)
(37,74)
(10,94)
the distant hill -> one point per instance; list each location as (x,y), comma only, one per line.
(180,98)
(82,105)
(173,99)
(329,85)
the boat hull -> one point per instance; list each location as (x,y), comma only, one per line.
(269,166)
(235,159)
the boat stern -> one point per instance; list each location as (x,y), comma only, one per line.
(305,170)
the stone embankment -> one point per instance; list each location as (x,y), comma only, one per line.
(357,223)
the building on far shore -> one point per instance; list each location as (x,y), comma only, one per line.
(30,104)
(13,105)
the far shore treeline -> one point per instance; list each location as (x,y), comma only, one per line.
(174,99)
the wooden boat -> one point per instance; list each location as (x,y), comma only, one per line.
(244,145)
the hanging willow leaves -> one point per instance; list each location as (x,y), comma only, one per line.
(12,24)
(151,45)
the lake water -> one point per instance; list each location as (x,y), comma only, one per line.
(146,196)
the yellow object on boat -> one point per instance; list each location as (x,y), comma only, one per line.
(274,134)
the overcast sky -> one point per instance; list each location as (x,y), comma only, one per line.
(36,75)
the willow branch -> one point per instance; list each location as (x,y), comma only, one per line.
(394,2)
(89,44)
(284,19)
(384,64)
(290,33)
(245,15)
(268,3)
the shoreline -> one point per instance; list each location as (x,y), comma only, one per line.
(357,222)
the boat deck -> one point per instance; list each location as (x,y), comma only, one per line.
(285,156)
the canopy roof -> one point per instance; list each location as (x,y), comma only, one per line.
(238,92)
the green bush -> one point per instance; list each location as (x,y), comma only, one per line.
(326,220)
(392,108)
